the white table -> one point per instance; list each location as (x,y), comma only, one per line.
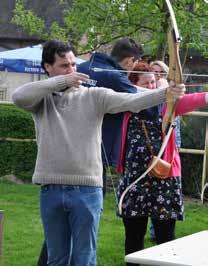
(190,250)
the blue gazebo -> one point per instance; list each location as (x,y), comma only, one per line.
(24,60)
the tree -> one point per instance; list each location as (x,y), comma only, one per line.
(94,23)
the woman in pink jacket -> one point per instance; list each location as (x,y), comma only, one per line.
(160,199)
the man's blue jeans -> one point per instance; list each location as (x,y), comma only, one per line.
(70,216)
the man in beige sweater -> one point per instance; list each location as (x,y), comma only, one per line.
(68,119)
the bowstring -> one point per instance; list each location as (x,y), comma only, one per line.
(103,28)
(109,171)
(102,144)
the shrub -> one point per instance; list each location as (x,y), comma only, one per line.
(17,158)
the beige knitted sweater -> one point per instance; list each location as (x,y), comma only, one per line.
(68,127)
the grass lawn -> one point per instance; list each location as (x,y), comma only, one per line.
(23,232)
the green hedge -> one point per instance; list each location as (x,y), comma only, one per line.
(17,158)
(15,123)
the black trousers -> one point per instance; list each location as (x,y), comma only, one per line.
(42,261)
(135,230)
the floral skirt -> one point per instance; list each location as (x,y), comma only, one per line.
(153,197)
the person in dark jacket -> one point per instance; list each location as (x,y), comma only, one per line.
(109,72)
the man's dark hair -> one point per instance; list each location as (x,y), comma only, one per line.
(51,48)
(126,47)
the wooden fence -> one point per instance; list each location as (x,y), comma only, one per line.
(203,152)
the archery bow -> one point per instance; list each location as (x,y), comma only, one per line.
(175,74)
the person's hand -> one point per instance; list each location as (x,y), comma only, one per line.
(75,79)
(175,91)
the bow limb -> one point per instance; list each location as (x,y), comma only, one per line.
(175,69)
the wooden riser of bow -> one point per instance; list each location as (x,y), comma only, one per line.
(175,69)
